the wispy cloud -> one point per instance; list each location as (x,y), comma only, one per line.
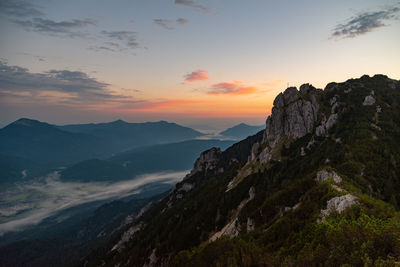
(198,75)
(192,4)
(68,28)
(182,21)
(20,9)
(164,23)
(121,40)
(232,88)
(31,18)
(170,24)
(73,87)
(364,23)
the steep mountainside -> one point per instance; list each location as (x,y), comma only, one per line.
(241,131)
(123,135)
(320,186)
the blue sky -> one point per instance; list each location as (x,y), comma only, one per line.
(193,62)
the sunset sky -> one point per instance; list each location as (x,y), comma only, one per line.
(197,63)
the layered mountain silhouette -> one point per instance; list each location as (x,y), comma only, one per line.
(29,147)
(43,142)
(241,131)
(123,135)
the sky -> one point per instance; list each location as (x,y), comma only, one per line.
(205,64)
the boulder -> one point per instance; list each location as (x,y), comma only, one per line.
(325,175)
(338,204)
(369,100)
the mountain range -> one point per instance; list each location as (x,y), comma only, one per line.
(123,135)
(29,148)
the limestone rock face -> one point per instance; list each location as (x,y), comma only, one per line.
(254,151)
(325,125)
(208,160)
(293,115)
(369,100)
(331,121)
(338,204)
(325,175)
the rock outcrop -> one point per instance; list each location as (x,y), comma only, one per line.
(338,204)
(325,125)
(369,100)
(232,227)
(324,175)
(207,161)
(293,115)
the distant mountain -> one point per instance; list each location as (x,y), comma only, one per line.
(242,131)
(45,143)
(156,158)
(28,140)
(123,135)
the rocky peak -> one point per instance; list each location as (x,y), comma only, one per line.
(290,95)
(293,115)
(208,160)
(305,88)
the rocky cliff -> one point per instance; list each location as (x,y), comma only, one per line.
(293,115)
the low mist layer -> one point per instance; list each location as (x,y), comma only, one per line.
(30,203)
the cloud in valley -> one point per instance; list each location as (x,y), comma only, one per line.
(57,196)
(231,88)
(198,75)
(364,23)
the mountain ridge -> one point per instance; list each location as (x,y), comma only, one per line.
(124,135)
(241,131)
(294,194)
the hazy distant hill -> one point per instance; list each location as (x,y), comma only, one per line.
(43,142)
(27,143)
(242,130)
(123,135)
(156,158)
